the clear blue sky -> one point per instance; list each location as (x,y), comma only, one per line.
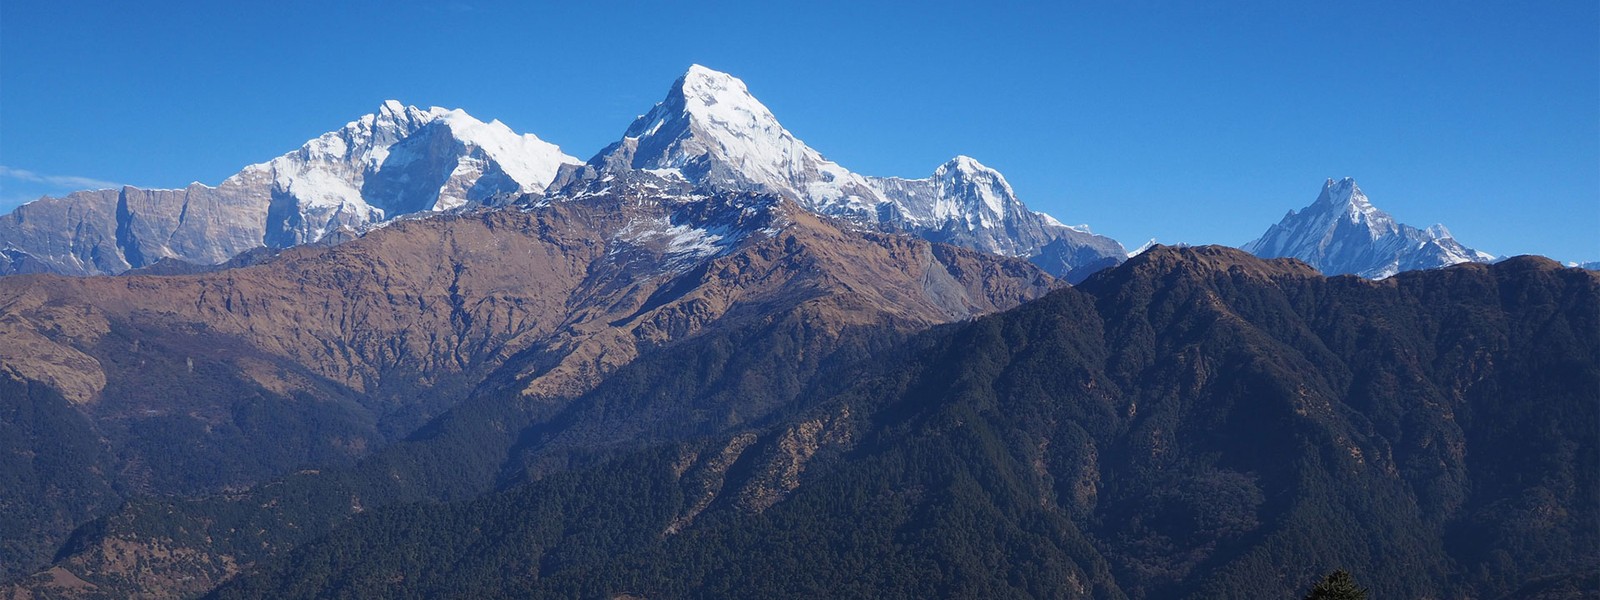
(1171,120)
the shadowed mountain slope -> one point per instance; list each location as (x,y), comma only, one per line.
(1194,423)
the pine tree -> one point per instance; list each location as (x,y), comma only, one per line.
(1338,585)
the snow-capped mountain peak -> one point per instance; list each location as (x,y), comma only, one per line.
(966,188)
(394,115)
(691,97)
(1342,232)
(1141,249)
(969,204)
(526,159)
(714,99)
(1345,198)
(711,132)
(402,159)
(396,160)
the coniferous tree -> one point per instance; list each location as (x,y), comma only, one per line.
(1338,585)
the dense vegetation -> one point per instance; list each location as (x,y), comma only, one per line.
(52,473)
(1338,585)
(1194,423)
(752,373)
(177,418)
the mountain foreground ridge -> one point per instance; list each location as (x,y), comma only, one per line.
(325,355)
(1196,422)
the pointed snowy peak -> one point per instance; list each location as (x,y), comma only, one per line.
(1438,231)
(967,170)
(716,101)
(1344,198)
(981,195)
(1342,192)
(393,115)
(968,204)
(963,192)
(524,158)
(707,83)
(967,165)
(978,194)
(1343,233)
(711,132)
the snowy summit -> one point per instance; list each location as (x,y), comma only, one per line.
(396,161)
(710,132)
(1343,233)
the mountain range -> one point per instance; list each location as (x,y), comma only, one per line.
(709,133)
(397,161)
(426,356)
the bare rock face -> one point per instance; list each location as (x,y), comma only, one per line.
(397,161)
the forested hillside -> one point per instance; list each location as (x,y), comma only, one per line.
(1195,423)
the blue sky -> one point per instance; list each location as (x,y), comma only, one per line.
(1174,120)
